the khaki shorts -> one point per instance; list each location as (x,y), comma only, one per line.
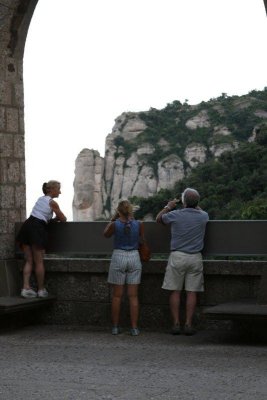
(184,271)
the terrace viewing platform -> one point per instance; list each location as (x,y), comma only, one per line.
(77,263)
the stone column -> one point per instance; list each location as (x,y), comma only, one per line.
(14,21)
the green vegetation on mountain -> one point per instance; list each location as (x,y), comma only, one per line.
(237,113)
(232,186)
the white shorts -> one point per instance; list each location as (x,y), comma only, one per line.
(125,267)
(184,271)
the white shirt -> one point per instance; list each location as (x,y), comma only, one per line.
(42,209)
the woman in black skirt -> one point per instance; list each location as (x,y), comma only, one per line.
(32,238)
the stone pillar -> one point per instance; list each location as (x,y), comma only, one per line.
(14,22)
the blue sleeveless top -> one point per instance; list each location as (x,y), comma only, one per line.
(126,235)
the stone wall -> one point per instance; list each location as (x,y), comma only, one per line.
(84,297)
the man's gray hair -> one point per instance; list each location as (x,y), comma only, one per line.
(190,197)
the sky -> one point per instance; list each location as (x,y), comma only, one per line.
(86,62)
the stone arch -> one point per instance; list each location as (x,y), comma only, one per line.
(15,17)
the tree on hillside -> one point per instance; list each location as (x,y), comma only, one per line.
(231,187)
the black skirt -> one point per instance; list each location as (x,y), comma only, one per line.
(33,232)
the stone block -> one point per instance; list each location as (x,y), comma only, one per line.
(2,119)
(12,120)
(4,224)
(7,196)
(14,278)
(56,265)
(18,95)
(13,171)
(5,37)
(11,69)
(3,279)
(2,66)
(150,291)
(13,217)
(99,288)
(91,266)
(20,70)
(3,170)
(10,171)
(78,286)
(77,313)
(71,287)
(21,121)
(6,145)
(22,213)
(7,245)
(22,172)
(20,196)
(5,93)
(221,289)
(10,4)
(59,313)
(154,316)
(92,313)
(19,146)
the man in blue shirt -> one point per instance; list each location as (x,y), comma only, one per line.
(185,266)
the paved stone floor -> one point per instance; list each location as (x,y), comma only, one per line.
(81,363)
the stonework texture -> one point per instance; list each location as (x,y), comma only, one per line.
(15,17)
(83,296)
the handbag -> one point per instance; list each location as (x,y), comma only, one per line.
(144,250)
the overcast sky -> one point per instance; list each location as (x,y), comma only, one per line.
(86,64)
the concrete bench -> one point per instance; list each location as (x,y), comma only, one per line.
(223,239)
(10,287)
(12,304)
(243,309)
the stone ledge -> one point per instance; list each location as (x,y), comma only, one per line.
(14,304)
(246,308)
(211,267)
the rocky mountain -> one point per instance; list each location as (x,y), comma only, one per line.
(153,150)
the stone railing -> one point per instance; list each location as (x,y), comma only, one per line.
(78,260)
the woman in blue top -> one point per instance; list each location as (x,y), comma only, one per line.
(125,266)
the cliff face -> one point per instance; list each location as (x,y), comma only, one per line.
(143,157)
(101,182)
(88,199)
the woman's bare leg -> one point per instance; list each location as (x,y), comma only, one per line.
(132,292)
(117,292)
(38,256)
(28,266)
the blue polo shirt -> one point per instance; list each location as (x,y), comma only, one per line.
(187,229)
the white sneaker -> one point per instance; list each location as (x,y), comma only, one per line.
(42,293)
(28,293)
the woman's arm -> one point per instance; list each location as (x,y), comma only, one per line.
(142,232)
(59,214)
(109,229)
